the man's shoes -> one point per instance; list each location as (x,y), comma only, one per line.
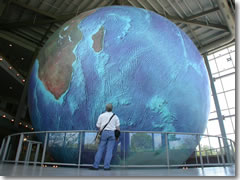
(93,168)
(107,169)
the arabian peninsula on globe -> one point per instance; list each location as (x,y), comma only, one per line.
(135,59)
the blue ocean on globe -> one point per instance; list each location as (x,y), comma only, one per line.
(139,61)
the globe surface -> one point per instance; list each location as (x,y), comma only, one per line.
(135,59)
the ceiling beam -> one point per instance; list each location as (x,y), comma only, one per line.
(17,40)
(194,36)
(30,23)
(199,23)
(135,3)
(189,20)
(26,36)
(63,19)
(188,25)
(204,13)
(7,127)
(46,33)
(4,5)
(34,23)
(33,9)
(9,100)
(12,72)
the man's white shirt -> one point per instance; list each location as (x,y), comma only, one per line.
(104,118)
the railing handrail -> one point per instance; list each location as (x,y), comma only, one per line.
(6,141)
(123,131)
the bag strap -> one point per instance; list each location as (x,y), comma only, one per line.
(107,123)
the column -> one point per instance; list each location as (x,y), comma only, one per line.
(219,114)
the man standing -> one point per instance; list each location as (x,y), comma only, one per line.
(108,137)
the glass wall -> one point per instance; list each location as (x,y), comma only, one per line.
(222,64)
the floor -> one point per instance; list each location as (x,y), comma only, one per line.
(30,170)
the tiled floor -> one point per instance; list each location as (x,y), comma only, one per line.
(30,170)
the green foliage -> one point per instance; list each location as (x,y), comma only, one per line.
(185,143)
(141,142)
(206,150)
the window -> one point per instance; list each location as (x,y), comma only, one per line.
(213,67)
(231,49)
(225,112)
(218,85)
(212,115)
(233,122)
(228,125)
(222,64)
(213,127)
(233,57)
(231,136)
(220,53)
(222,101)
(210,57)
(230,95)
(212,105)
(228,82)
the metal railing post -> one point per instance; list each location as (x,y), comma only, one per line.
(200,151)
(207,156)
(29,150)
(217,157)
(233,152)
(153,143)
(196,157)
(211,151)
(166,141)
(6,151)
(80,148)
(64,139)
(124,150)
(36,154)
(226,150)
(6,148)
(229,160)
(2,146)
(44,148)
(234,145)
(19,148)
(221,150)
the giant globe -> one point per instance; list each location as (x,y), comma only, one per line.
(135,59)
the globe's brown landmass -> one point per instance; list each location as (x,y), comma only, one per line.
(98,40)
(56,58)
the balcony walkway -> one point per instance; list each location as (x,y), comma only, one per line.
(30,170)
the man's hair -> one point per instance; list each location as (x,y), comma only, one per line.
(109,107)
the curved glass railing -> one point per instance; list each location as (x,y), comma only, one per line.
(134,149)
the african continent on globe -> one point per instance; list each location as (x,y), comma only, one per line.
(135,59)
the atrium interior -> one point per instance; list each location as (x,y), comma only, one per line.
(25,28)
